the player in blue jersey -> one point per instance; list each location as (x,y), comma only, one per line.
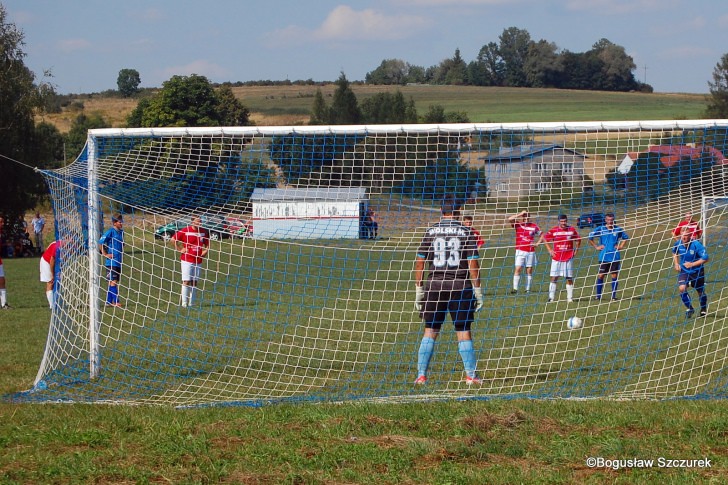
(612,239)
(689,257)
(452,286)
(111,247)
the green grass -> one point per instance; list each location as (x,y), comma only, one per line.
(495,441)
(495,104)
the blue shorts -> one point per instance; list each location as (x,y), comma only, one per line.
(696,279)
(113,273)
(609,267)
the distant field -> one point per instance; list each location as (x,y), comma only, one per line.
(290,105)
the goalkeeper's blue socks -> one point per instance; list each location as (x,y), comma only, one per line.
(467,353)
(112,296)
(615,283)
(686,299)
(600,287)
(424,355)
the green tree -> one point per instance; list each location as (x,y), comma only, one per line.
(616,67)
(390,71)
(344,106)
(513,49)
(489,68)
(189,101)
(232,112)
(128,82)
(386,108)
(452,71)
(20,99)
(77,135)
(320,111)
(542,66)
(435,114)
(718,99)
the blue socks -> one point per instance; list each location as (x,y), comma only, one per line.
(112,296)
(685,297)
(424,355)
(615,283)
(600,287)
(468,355)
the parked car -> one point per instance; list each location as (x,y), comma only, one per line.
(239,227)
(215,225)
(595,219)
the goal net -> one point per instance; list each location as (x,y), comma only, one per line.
(307,290)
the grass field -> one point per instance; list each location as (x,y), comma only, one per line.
(490,441)
(485,440)
(291,105)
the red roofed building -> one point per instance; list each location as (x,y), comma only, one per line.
(672,154)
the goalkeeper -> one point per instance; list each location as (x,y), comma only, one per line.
(453,286)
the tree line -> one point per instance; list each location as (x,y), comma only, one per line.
(518,61)
(27,144)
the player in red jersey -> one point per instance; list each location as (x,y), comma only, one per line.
(47,267)
(691,224)
(193,243)
(3,292)
(562,242)
(468,222)
(526,234)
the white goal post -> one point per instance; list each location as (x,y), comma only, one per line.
(306,292)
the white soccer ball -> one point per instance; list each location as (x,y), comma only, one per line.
(574,322)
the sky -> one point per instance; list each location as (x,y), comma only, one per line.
(675,44)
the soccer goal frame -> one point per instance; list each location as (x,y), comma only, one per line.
(708,207)
(303,299)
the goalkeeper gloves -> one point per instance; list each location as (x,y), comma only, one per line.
(478,292)
(419,298)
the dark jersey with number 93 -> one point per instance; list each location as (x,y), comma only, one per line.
(447,247)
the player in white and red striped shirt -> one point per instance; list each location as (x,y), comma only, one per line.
(193,243)
(526,234)
(562,242)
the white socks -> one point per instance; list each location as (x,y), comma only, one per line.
(49,297)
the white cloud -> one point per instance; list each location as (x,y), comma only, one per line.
(201,66)
(457,3)
(150,15)
(346,24)
(685,52)
(73,45)
(618,7)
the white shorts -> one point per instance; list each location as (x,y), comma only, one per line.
(46,274)
(191,271)
(2,272)
(562,268)
(525,258)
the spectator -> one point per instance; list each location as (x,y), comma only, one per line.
(371,223)
(38,223)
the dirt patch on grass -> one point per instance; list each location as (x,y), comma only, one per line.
(487,421)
